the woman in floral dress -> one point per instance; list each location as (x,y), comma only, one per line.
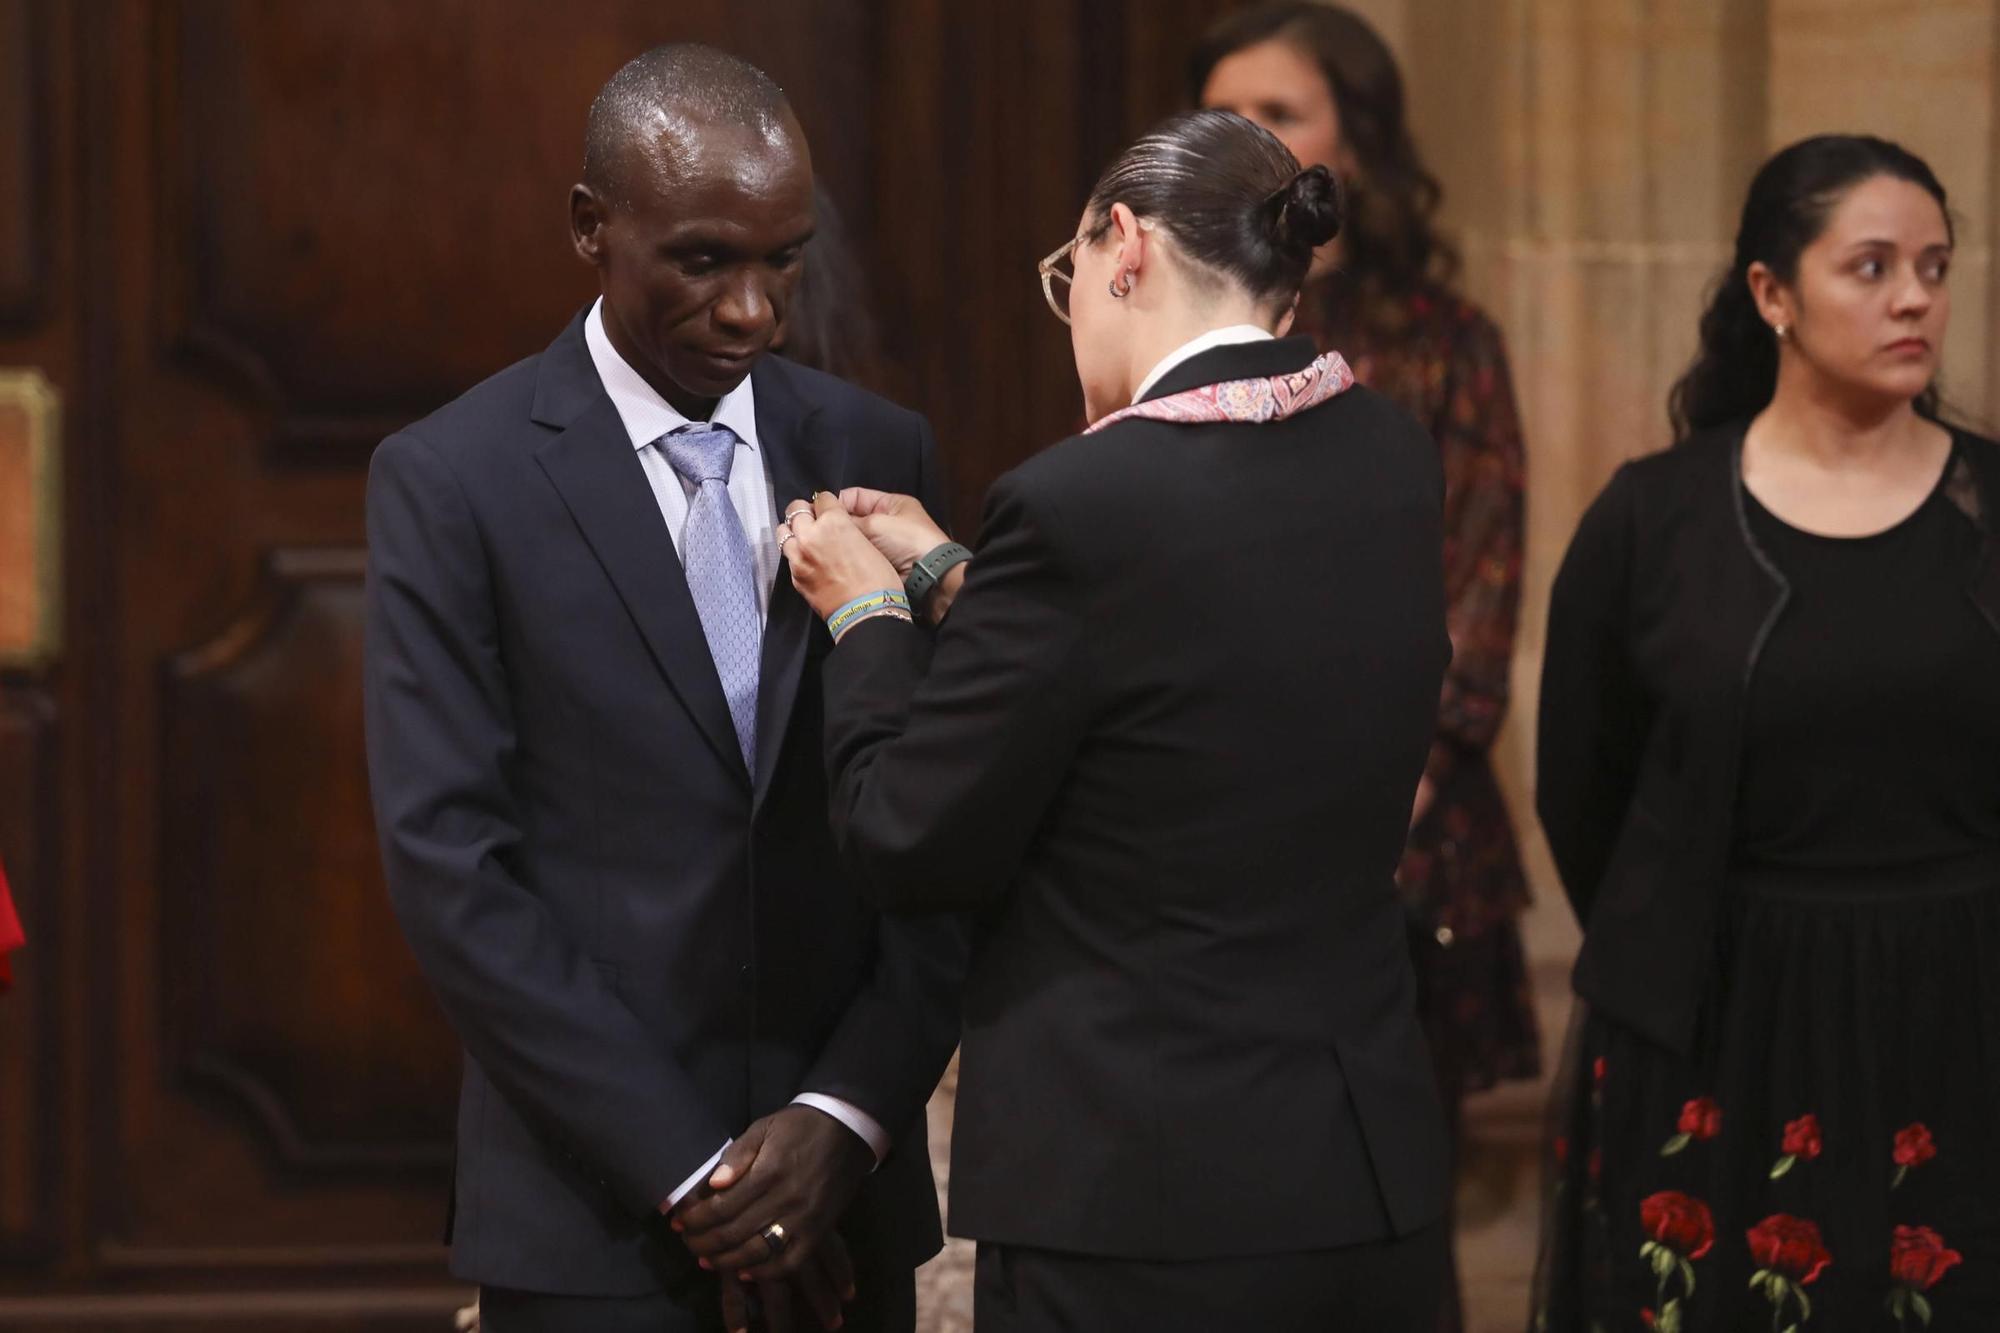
(1770,776)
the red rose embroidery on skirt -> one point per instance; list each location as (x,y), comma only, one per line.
(1801,1143)
(1790,1255)
(1913,1148)
(1680,1222)
(1682,1230)
(1918,1260)
(1701,1120)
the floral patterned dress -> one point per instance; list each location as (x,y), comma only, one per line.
(1441,359)
(1824,1160)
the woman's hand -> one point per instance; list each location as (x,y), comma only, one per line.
(832,561)
(896,524)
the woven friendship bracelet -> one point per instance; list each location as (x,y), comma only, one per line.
(878,613)
(862,605)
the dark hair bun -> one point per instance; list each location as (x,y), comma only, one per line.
(1307,210)
(1231,196)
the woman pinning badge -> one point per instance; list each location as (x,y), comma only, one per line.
(1160,734)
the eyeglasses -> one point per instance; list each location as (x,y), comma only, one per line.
(1056,280)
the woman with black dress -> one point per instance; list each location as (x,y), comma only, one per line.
(1770,776)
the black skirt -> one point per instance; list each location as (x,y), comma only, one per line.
(1826,1158)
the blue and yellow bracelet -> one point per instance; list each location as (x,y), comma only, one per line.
(884,602)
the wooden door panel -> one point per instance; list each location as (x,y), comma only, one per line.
(289,996)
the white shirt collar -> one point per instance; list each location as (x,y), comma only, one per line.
(646,415)
(1228,336)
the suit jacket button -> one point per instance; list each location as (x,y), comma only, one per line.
(1445,937)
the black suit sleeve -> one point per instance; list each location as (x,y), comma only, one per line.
(892,1044)
(528,1005)
(1595,716)
(942,759)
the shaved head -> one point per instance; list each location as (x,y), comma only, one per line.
(650,116)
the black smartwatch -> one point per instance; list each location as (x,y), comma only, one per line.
(932,566)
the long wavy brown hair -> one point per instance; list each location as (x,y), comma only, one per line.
(1391,246)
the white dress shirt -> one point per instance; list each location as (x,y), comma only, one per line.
(647,417)
(1227,336)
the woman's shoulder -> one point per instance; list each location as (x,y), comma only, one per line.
(1696,459)
(1981,500)
(1983,450)
(1079,478)
(1652,494)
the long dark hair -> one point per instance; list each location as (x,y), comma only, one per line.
(1230,194)
(1391,247)
(1735,372)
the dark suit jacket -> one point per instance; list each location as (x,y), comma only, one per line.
(641,948)
(1658,615)
(1166,744)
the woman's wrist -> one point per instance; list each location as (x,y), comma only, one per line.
(929,572)
(945,593)
(882,601)
(879,613)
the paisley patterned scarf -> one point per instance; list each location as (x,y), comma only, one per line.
(1271,398)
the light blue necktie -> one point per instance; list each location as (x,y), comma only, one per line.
(721,572)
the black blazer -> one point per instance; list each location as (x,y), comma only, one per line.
(1166,744)
(1655,624)
(641,947)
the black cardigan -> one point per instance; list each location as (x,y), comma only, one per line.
(1658,616)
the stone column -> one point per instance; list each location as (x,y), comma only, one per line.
(1593,153)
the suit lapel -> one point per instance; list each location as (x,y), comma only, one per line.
(801,461)
(593,466)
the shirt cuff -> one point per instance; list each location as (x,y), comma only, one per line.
(853,1117)
(703,1172)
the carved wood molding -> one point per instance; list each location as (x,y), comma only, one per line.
(192,332)
(289,997)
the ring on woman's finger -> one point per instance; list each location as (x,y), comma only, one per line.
(789,536)
(805,512)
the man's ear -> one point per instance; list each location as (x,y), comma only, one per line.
(587,219)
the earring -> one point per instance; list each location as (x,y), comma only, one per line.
(1121,286)
(1783,331)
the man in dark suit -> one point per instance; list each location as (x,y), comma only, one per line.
(594,743)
